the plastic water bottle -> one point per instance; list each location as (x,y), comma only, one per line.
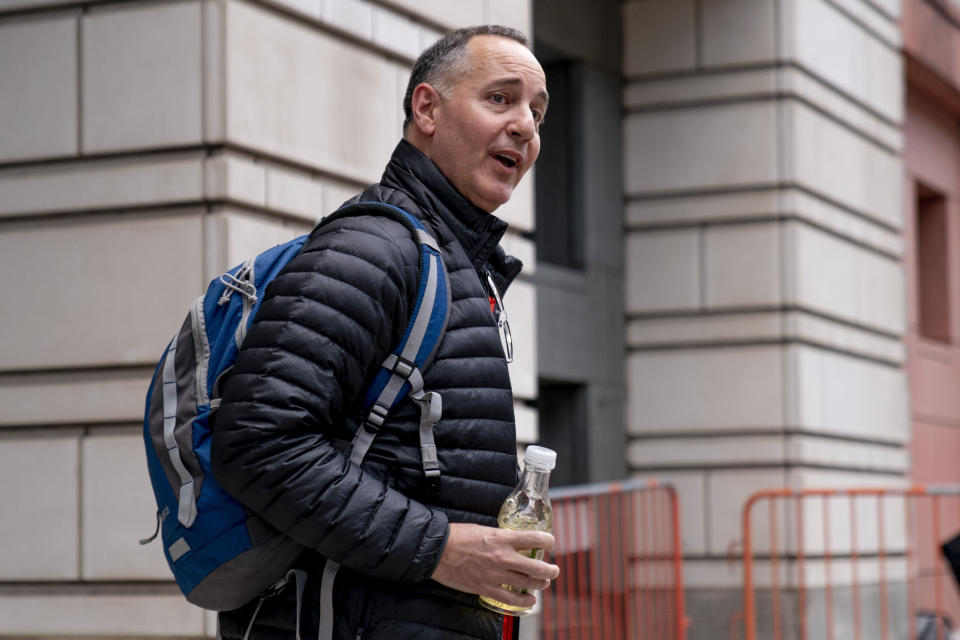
(527,508)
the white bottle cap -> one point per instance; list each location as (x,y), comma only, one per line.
(540,457)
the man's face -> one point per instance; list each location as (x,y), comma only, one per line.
(487,129)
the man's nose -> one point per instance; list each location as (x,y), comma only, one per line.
(522,125)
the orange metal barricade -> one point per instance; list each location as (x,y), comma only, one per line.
(849,564)
(621,564)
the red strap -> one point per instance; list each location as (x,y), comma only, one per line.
(493,309)
(510,627)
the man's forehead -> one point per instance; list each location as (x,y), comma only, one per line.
(499,59)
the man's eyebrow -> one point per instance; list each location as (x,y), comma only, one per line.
(515,81)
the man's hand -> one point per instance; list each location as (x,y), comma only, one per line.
(480,559)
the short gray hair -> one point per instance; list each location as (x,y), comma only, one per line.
(445,59)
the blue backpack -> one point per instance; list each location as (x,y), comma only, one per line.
(221,555)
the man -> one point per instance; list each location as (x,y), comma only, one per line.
(413,558)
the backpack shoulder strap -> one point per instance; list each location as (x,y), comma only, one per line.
(401,373)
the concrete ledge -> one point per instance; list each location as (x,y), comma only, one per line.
(751,327)
(455,14)
(171,180)
(19,5)
(763,203)
(130,616)
(105,184)
(792,449)
(786,82)
(74,398)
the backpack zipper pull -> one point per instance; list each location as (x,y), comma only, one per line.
(241,282)
(161,516)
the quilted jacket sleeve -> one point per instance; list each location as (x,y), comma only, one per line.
(325,325)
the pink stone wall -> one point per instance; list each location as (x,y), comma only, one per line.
(932,261)
(932,160)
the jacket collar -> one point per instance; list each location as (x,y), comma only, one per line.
(477,231)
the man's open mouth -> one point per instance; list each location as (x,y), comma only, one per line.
(506,161)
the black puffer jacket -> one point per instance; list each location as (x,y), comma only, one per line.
(282,435)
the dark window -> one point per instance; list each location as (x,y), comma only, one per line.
(559,233)
(933,282)
(563,424)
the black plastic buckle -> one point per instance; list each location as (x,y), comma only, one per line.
(431,485)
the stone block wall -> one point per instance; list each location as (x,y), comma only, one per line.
(765,286)
(145,146)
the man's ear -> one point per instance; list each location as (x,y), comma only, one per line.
(423,105)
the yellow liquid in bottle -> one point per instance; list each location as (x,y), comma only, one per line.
(521,512)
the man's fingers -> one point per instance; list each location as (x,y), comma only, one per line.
(513,598)
(531,539)
(531,569)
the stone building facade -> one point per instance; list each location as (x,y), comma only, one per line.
(145,147)
(722,247)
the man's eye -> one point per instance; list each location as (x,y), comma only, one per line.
(498,98)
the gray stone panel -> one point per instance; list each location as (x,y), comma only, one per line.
(703,390)
(721,146)
(738,32)
(38,85)
(659,36)
(142,69)
(396,33)
(303,95)
(101,292)
(838,394)
(742,266)
(839,279)
(295,194)
(509,13)
(40,507)
(835,163)
(118,509)
(520,302)
(664,271)
(818,35)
